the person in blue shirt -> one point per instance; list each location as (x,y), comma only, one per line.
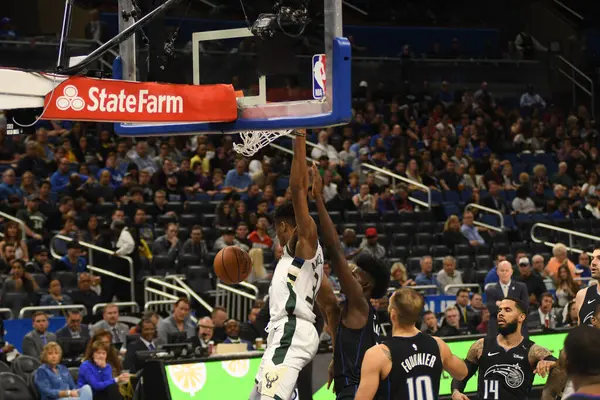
(482,152)
(54,381)
(60,179)
(8,186)
(116,177)
(238,179)
(97,373)
(72,261)
(492,276)
(584,266)
(426,276)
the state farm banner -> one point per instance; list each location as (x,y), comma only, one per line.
(90,99)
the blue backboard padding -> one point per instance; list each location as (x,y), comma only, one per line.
(341,110)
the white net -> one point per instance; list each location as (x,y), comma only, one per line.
(253,141)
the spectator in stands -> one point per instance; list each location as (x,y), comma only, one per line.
(430,323)
(492,276)
(451,325)
(54,297)
(426,276)
(227,238)
(9,187)
(72,261)
(522,203)
(97,372)
(232,332)
(249,330)
(399,277)
(142,159)
(470,231)
(591,209)
(544,316)
(530,101)
(40,258)
(485,319)
(203,339)
(179,321)
(449,179)
(225,217)
(73,329)
(195,244)
(369,245)
(13,234)
(452,235)
(241,235)
(61,179)
(477,302)
(110,323)
(539,266)
(583,268)
(169,243)
(36,339)
(364,201)
(84,295)
(33,161)
(533,281)
(259,237)
(572,316)
(494,174)
(54,381)
(323,148)
(33,219)
(146,342)
(219,315)
(469,318)
(566,287)
(506,287)
(449,276)
(493,200)
(559,251)
(238,179)
(7,256)
(349,243)
(19,281)
(252,197)
(562,177)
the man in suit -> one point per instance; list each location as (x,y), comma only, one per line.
(469,318)
(110,322)
(73,328)
(34,341)
(249,329)
(494,201)
(232,331)
(203,339)
(544,316)
(505,287)
(147,342)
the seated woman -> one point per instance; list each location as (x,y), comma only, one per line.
(54,381)
(105,336)
(56,298)
(452,234)
(97,373)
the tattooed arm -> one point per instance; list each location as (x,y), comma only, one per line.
(541,359)
(555,385)
(472,362)
(375,367)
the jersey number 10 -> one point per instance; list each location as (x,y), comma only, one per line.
(420,388)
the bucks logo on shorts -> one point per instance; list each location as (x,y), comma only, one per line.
(512,373)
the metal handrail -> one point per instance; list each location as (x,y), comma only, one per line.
(193,294)
(462,286)
(90,246)
(18,221)
(163,294)
(569,9)
(488,285)
(490,211)
(236,291)
(148,304)
(119,305)
(168,285)
(394,176)
(355,8)
(571,76)
(50,308)
(7,311)
(563,230)
(250,286)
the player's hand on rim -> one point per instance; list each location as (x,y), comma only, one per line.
(317,181)
(456,395)
(543,367)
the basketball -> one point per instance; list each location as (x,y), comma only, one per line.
(232,265)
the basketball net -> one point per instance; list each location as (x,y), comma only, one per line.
(253,141)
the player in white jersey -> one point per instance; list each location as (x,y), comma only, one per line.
(293,340)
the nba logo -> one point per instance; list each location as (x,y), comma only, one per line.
(319,64)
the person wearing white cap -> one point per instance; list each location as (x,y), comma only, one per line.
(534,282)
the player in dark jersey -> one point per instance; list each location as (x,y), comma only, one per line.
(582,355)
(410,363)
(356,328)
(506,363)
(588,298)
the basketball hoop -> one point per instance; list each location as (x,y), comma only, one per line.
(253,141)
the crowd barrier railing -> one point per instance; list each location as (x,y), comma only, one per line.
(570,232)
(237,302)
(33,309)
(100,306)
(490,211)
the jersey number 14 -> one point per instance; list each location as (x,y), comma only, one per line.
(420,388)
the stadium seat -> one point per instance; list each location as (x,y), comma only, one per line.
(209,220)
(200,279)
(336,217)
(175,206)
(426,227)
(15,301)
(189,220)
(484,261)
(14,387)
(414,265)
(398,252)
(463,250)
(352,217)
(400,239)
(464,263)
(24,366)
(187,260)
(440,251)
(67,279)
(40,278)
(200,208)
(407,227)
(419,250)
(424,239)
(4,367)
(161,264)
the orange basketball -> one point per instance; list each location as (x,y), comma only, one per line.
(232,265)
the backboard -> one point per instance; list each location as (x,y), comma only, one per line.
(257,108)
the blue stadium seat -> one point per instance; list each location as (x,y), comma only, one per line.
(451,196)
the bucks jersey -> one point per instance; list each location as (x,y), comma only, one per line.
(416,368)
(349,352)
(504,374)
(295,285)
(588,307)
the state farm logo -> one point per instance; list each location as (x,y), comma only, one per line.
(70,99)
(140,101)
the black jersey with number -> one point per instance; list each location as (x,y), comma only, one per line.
(504,374)
(350,348)
(581,396)
(588,307)
(416,368)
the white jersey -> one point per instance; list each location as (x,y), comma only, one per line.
(295,285)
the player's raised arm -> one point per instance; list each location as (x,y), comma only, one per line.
(456,367)
(541,359)
(350,286)
(377,358)
(472,363)
(305,225)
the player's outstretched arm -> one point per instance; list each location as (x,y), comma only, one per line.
(350,286)
(456,367)
(541,359)
(472,363)
(377,358)
(328,304)
(555,385)
(305,225)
